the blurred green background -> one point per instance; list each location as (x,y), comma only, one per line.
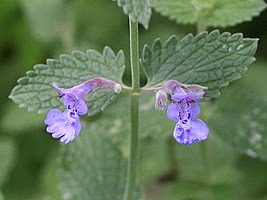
(33,30)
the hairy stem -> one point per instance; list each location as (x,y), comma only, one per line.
(131,181)
(134,56)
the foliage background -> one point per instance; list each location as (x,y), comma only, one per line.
(31,32)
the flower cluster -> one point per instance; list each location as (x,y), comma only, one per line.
(184,110)
(66,125)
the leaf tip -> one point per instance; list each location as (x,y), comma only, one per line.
(23,80)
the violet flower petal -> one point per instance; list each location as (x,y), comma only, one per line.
(194,109)
(195,131)
(62,125)
(178,94)
(72,102)
(195,95)
(172,112)
(73,97)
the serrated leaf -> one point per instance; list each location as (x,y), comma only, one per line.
(138,10)
(34,91)
(218,13)
(241,121)
(93,167)
(212,60)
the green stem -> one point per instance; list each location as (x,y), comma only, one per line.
(131,181)
(134,56)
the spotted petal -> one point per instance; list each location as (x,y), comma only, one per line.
(195,131)
(62,126)
(172,112)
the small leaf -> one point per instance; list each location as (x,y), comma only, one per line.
(212,60)
(34,91)
(138,10)
(241,120)
(219,13)
(93,166)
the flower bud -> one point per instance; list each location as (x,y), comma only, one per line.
(161,100)
(117,88)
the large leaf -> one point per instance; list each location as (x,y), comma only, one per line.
(93,166)
(241,120)
(212,60)
(138,10)
(34,91)
(209,12)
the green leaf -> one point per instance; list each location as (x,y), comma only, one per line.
(48,19)
(138,10)
(241,121)
(219,13)
(93,166)
(100,154)
(34,91)
(198,178)
(212,60)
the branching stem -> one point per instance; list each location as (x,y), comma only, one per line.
(131,181)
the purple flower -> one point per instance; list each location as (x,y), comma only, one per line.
(73,97)
(65,126)
(184,111)
(161,100)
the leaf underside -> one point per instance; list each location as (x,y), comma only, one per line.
(138,10)
(241,120)
(102,164)
(93,167)
(34,91)
(216,13)
(212,60)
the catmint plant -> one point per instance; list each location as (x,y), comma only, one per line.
(180,74)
